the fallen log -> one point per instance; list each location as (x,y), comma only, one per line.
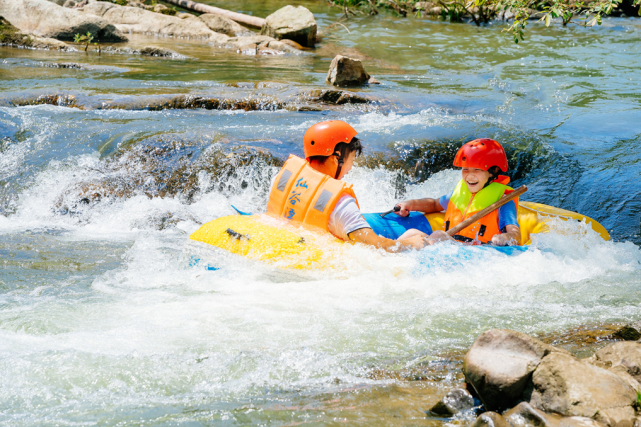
(251,21)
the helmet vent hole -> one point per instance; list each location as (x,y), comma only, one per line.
(312,142)
(464,158)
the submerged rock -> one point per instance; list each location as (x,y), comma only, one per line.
(500,364)
(344,71)
(45,19)
(222,25)
(293,23)
(454,402)
(141,21)
(565,385)
(169,166)
(161,52)
(338,97)
(628,333)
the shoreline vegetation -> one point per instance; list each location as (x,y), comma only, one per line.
(49,24)
(516,13)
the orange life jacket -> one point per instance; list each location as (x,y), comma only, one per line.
(463,204)
(305,195)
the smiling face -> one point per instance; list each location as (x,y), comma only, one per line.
(475,178)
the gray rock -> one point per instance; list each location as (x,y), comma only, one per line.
(454,402)
(280,47)
(490,419)
(524,415)
(500,364)
(223,25)
(42,18)
(293,23)
(567,386)
(344,71)
(623,359)
(141,21)
(161,52)
(70,4)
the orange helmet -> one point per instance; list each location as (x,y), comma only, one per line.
(482,154)
(321,139)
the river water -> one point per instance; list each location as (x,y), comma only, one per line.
(107,316)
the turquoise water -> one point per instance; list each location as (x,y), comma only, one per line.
(104,319)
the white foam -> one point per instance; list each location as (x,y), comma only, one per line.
(162,328)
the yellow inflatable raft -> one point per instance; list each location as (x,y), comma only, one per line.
(291,245)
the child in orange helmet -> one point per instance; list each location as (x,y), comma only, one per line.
(311,191)
(481,161)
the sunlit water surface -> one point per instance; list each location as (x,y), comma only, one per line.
(108,316)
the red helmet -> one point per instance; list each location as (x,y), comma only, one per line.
(481,154)
(321,139)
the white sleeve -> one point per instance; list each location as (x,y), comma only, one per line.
(346,218)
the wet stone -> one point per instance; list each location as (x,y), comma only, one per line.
(491,419)
(344,71)
(293,23)
(455,401)
(628,333)
(524,415)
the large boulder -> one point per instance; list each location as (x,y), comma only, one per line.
(500,364)
(293,23)
(141,21)
(222,25)
(565,385)
(46,19)
(344,71)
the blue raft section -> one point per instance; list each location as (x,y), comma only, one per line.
(391,226)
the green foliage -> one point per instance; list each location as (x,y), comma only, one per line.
(86,40)
(586,13)
(119,2)
(638,402)
(169,11)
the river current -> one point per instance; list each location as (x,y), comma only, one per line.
(108,316)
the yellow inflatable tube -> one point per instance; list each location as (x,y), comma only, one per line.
(288,245)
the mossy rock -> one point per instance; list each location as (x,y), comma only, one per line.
(12,36)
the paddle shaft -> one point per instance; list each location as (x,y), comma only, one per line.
(480,214)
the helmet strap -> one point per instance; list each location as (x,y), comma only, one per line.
(341,161)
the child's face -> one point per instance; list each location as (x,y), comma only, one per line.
(475,178)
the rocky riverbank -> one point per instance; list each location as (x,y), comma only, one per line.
(514,380)
(49,25)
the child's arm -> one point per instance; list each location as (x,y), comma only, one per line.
(509,225)
(426,205)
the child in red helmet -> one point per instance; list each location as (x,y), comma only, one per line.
(481,161)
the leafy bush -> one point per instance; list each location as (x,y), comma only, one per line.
(586,13)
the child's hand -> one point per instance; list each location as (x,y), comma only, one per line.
(404,209)
(415,242)
(504,239)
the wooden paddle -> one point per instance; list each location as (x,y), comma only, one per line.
(480,214)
